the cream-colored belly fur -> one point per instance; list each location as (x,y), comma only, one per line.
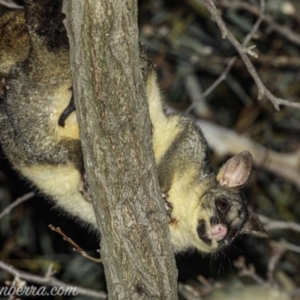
(62,182)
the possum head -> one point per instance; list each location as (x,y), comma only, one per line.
(220,213)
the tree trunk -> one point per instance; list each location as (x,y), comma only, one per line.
(115,132)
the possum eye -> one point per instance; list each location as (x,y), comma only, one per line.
(222,205)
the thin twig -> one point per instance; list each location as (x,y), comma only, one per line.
(75,245)
(248,271)
(20,200)
(17,284)
(277,251)
(50,272)
(256,26)
(290,247)
(209,286)
(10,4)
(50,281)
(188,291)
(221,78)
(231,62)
(281,29)
(262,90)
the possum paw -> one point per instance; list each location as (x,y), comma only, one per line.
(84,189)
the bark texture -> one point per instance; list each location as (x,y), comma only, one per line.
(115,132)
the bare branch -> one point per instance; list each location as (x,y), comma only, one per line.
(17,284)
(262,90)
(277,250)
(221,78)
(281,29)
(289,246)
(75,245)
(245,271)
(188,292)
(20,200)
(270,224)
(10,4)
(50,272)
(50,281)
(231,62)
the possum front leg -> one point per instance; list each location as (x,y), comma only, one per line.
(83,186)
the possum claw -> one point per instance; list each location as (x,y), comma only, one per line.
(84,189)
(168,205)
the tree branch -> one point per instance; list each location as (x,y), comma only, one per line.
(17,202)
(109,97)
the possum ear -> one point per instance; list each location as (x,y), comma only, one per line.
(236,171)
(254,227)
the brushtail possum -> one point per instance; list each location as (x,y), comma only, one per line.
(40,137)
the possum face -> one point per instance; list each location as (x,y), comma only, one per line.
(221,217)
(223,212)
(213,217)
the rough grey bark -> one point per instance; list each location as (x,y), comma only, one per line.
(116,137)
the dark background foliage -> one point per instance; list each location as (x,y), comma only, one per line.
(184,40)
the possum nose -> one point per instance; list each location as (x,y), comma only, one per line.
(218,232)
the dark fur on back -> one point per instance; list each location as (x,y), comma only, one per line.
(47,23)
